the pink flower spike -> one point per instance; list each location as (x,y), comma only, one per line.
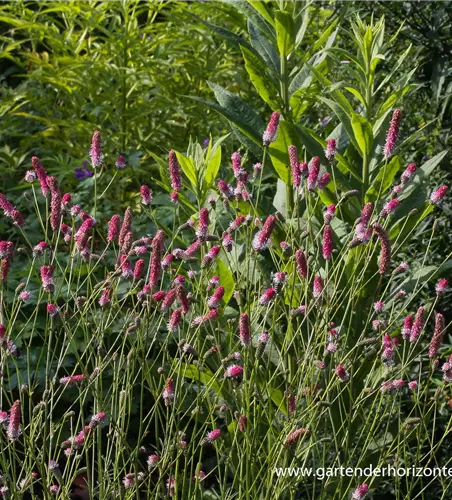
(138,270)
(146,195)
(96,150)
(175,321)
(294,166)
(203,226)
(55,203)
(96,420)
(244,330)
(418,325)
(329,213)
(72,380)
(324,180)
(156,258)
(438,335)
(385,254)
(314,173)
(234,371)
(174,170)
(379,306)
(120,162)
(295,436)
(213,436)
(302,263)
(168,300)
(327,247)
(408,174)
(271,132)
(361,492)
(15,415)
(341,373)
(330,151)
(413,385)
(182,299)
(261,240)
(317,287)
(390,207)
(267,297)
(441,286)
(214,301)
(407,326)
(437,196)
(393,134)
(41,174)
(52,310)
(47,278)
(168,392)
(210,256)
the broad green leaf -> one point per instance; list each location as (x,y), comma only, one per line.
(277,396)
(280,199)
(357,94)
(188,167)
(344,118)
(213,166)
(301,32)
(204,376)
(301,80)
(226,280)
(264,48)
(228,35)
(285,32)
(256,69)
(384,179)
(262,8)
(254,16)
(362,130)
(236,110)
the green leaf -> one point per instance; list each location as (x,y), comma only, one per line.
(344,118)
(237,111)
(280,199)
(362,130)
(226,280)
(264,48)
(205,377)
(277,396)
(188,167)
(357,94)
(255,16)
(262,8)
(384,179)
(285,32)
(256,69)
(213,166)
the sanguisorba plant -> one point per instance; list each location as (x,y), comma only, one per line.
(195,362)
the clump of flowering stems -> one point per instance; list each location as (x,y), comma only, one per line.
(241,335)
